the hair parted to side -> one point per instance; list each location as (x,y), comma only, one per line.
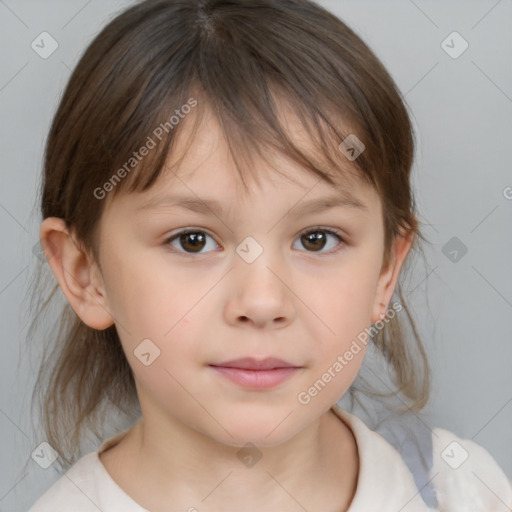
(243,60)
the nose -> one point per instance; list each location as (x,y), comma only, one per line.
(260,296)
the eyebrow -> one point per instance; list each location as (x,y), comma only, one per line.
(342,199)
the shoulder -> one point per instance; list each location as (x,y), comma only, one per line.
(466,476)
(74,488)
(384,480)
(459,474)
(87,487)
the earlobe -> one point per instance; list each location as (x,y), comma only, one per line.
(390,274)
(76,273)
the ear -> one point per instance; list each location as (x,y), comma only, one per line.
(78,276)
(390,273)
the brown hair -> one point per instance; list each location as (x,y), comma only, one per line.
(244,60)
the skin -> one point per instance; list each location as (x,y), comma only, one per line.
(292,302)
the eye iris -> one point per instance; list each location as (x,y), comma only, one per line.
(197,241)
(313,238)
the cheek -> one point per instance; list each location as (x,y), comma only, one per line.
(347,302)
(150,299)
(345,306)
(164,307)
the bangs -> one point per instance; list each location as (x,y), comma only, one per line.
(250,77)
(253,133)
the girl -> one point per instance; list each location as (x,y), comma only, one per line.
(227,209)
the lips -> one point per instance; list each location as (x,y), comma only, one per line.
(250,363)
(254,374)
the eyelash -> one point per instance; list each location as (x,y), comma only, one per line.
(330,231)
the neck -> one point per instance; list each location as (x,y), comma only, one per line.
(315,470)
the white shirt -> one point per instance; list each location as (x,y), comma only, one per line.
(385,483)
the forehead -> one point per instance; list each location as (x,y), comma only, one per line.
(201,165)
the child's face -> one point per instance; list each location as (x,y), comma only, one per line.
(297,301)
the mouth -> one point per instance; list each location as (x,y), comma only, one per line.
(250,363)
(256,374)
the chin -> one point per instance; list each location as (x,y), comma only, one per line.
(261,431)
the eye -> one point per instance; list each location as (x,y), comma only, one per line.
(191,241)
(316,239)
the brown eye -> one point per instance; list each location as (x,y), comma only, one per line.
(316,240)
(191,242)
(198,242)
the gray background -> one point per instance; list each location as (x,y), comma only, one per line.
(462,112)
